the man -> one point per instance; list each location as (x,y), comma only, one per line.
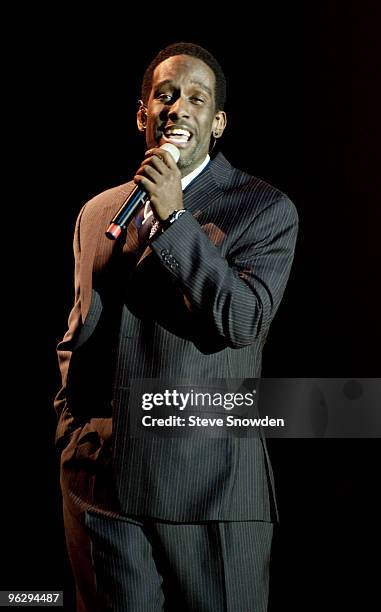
(188,293)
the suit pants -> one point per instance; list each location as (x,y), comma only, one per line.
(138,564)
(125,565)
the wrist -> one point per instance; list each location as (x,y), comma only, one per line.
(175,214)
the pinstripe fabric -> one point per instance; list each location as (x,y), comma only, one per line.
(196,304)
(127,578)
(149,566)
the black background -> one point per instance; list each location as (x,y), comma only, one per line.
(303,110)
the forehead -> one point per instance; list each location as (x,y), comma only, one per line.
(184,69)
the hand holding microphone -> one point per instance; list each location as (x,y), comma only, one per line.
(158,181)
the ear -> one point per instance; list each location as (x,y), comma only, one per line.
(141,117)
(219,124)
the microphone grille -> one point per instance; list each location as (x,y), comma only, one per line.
(167,146)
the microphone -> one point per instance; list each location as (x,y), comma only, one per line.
(135,200)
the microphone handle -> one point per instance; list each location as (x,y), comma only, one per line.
(125,213)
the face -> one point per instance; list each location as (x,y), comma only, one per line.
(181,109)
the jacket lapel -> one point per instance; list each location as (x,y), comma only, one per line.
(97,248)
(205,189)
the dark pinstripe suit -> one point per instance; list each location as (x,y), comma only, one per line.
(196,304)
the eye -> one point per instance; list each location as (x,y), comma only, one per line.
(164,97)
(197,100)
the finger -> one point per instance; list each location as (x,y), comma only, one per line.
(149,172)
(164,155)
(144,183)
(156,162)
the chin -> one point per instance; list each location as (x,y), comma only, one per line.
(189,158)
(184,163)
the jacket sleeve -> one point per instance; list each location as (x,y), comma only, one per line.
(65,347)
(238,294)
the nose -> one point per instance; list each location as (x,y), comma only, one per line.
(179,108)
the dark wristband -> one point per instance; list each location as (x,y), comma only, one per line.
(176,214)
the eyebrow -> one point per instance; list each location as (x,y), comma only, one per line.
(203,86)
(199,83)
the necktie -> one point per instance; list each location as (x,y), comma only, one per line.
(147,225)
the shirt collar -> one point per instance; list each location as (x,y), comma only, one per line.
(190,177)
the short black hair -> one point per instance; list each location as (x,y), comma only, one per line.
(184,48)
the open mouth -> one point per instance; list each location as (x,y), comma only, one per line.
(177,136)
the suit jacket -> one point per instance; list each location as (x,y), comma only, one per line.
(196,304)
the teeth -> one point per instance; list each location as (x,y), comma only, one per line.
(177,137)
(177,132)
